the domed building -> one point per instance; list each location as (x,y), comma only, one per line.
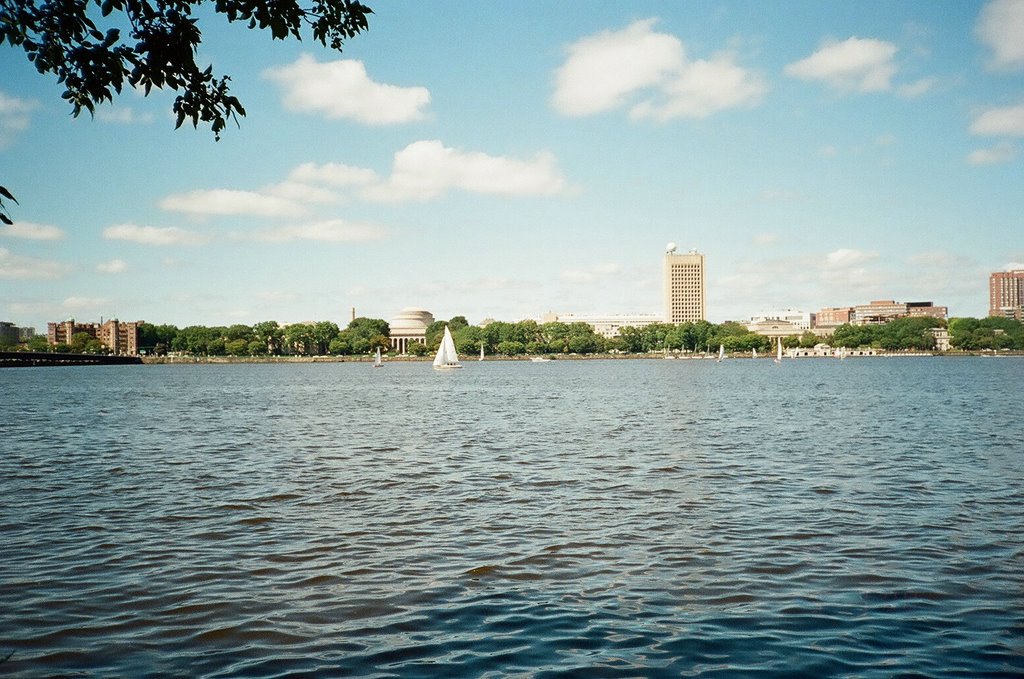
(409,325)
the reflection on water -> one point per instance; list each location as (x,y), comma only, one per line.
(602,518)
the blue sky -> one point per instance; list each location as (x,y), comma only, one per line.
(506,159)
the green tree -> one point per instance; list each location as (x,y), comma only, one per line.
(37,343)
(324,332)
(94,62)
(299,339)
(237,347)
(270,334)
(417,349)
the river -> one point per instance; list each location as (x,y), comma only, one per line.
(860,518)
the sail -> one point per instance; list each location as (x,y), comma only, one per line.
(721,351)
(446,355)
(755,352)
(778,357)
(377,362)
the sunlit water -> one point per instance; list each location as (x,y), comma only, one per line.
(575,518)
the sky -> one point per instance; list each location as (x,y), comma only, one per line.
(503,160)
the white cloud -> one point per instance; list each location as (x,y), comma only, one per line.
(14,117)
(85,303)
(152,235)
(301,193)
(231,202)
(32,231)
(828,151)
(702,88)
(591,275)
(1003,152)
(333,174)
(113,266)
(125,115)
(342,89)
(17,267)
(766,239)
(1005,121)
(612,68)
(1014,266)
(603,70)
(917,88)
(844,258)
(856,64)
(426,169)
(331,230)
(1001,28)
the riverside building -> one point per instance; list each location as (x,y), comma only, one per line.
(120,337)
(606,326)
(409,325)
(1006,294)
(685,288)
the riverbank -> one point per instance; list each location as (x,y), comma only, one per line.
(166,360)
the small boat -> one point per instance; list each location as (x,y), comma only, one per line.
(778,356)
(754,355)
(481,352)
(721,353)
(447,358)
(539,359)
(377,362)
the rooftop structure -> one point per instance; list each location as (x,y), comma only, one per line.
(685,287)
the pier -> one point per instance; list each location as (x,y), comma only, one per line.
(24,359)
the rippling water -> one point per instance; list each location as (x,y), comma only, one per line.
(574,518)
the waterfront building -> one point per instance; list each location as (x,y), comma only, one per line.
(119,337)
(884,310)
(607,325)
(9,334)
(830,318)
(409,325)
(685,286)
(775,328)
(800,319)
(1006,294)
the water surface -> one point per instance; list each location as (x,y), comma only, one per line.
(573,518)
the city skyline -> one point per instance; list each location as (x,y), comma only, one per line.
(834,155)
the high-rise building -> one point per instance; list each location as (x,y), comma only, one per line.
(685,290)
(1006,294)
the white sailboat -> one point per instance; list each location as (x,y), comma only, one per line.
(377,362)
(721,353)
(778,356)
(446,358)
(754,349)
(481,352)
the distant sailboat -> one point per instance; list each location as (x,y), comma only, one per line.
(721,353)
(377,362)
(481,352)
(754,349)
(778,355)
(446,358)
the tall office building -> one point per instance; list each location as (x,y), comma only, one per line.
(685,291)
(1006,294)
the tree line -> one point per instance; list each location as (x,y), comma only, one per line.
(365,335)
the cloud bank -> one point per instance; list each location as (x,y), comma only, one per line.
(343,90)
(650,73)
(854,65)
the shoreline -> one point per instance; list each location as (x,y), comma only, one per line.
(228,360)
